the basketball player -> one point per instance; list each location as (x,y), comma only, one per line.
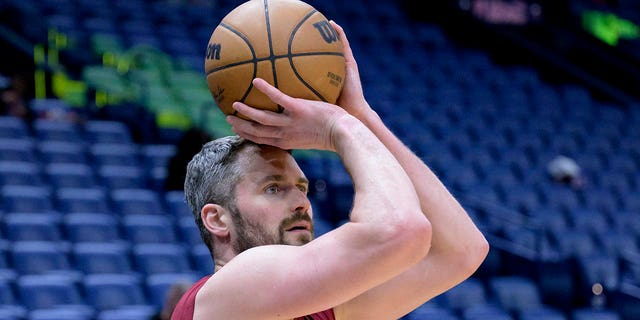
(407,241)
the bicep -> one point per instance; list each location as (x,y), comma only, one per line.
(282,282)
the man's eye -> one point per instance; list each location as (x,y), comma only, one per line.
(272,189)
(303,188)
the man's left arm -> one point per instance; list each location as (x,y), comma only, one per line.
(458,247)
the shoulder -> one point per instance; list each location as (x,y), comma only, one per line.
(186,305)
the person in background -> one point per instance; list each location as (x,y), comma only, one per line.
(565,170)
(189,144)
(407,239)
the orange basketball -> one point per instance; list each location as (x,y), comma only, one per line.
(288,43)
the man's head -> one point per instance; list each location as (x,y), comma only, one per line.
(244,195)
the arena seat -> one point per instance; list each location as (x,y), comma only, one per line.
(466,294)
(515,293)
(149,228)
(56,130)
(48,291)
(62,152)
(134,201)
(102,258)
(70,175)
(20,173)
(26,199)
(111,291)
(91,227)
(159,258)
(85,200)
(13,128)
(32,227)
(18,149)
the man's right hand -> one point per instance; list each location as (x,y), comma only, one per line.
(303,124)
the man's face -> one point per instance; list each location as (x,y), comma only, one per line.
(271,202)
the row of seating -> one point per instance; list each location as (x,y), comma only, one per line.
(486,130)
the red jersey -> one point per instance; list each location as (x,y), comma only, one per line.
(184,308)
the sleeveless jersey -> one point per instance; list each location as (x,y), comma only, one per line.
(185,307)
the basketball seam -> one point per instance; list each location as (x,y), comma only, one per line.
(292,65)
(254,60)
(276,57)
(272,58)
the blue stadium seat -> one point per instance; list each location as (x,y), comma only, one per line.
(8,297)
(20,173)
(102,258)
(515,293)
(106,131)
(32,227)
(111,291)
(589,220)
(128,313)
(15,312)
(91,227)
(560,198)
(157,285)
(138,27)
(62,152)
(13,128)
(77,312)
(122,177)
(56,130)
(620,243)
(157,258)
(201,259)
(189,232)
(99,25)
(48,291)
(21,149)
(542,313)
(39,257)
(591,314)
(70,175)
(85,200)
(176,203)
(466,294)
(149,228)
(47,106)
(115,154)
(486,311)
(157,155)
(573,242)
(608,202)
(136,201)
(551,220)
(430,311)
(26,199)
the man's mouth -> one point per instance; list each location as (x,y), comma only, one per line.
(300,225)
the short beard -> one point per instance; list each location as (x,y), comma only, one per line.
(252,234)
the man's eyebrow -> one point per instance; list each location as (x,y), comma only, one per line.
(279,177)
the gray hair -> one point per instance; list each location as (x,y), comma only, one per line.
(212,176)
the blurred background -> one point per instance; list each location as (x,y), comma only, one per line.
(527,110)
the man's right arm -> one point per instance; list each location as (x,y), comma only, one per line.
(387,233)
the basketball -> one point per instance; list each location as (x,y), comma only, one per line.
(288,43)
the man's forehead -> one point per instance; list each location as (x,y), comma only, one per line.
(270,162)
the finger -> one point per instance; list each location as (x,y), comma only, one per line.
(272,92)
(251,128)
(265,117)
(348,54)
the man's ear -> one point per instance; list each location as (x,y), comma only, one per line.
(215,219)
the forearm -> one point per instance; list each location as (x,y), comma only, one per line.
(453,230)
(382,187)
